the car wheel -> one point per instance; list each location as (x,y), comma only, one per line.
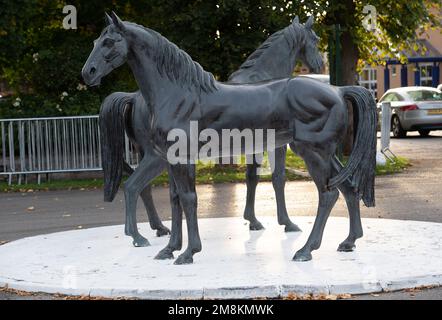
(424,133)
(398,131)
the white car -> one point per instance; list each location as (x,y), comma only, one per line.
(414,109)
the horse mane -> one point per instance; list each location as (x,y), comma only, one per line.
(293,34)
(177,65)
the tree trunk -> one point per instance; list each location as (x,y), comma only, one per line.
(350,56)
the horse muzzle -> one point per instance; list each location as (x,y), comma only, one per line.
(90,75)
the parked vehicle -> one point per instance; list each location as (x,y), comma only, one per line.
(413,109)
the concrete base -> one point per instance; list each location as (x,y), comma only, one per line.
(234,263)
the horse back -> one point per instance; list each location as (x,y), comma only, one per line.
(311,99)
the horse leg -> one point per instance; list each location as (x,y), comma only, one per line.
(353,202)
(252,179)
(278,181)
(184,177)
(320,170)
(176,239)
(146,196)
(154,219)
(141,177)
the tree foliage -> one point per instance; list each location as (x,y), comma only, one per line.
(41,61)
(398,26)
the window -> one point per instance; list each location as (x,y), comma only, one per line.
(397,97)
(392,97)
(425,72)
(425,95)
(388,97)
(368,79)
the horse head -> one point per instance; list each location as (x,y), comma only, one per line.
(309,53)
(109,52)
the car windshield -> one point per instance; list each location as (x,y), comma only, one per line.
(425,95)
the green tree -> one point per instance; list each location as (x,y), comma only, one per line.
(219,34)
(41,61)
(398,25)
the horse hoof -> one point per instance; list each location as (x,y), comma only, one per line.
(256,225)
(302,256)
(164,254)
(183,259)
(140,241)
(346,247)
(292,228)
(163,231)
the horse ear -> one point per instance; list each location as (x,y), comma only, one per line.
(309,23)
(295,20)
(117,21)
(108,19)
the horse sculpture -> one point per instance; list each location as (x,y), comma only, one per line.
(261,65)
(308,115)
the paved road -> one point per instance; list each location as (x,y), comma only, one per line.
(413,195)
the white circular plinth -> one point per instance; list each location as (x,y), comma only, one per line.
(234,263)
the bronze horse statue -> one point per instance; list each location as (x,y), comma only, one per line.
(308,115)
(117,111)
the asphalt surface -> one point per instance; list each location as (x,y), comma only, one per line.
(412,195)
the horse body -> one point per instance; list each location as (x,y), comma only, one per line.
(277,105)
(270,105)
(167,76)
(260,66)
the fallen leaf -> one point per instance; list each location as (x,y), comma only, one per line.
(292,296)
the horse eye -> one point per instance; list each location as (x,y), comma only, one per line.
(108,42)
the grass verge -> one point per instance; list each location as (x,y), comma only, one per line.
(207,173)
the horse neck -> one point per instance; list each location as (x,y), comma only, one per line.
(278,61)
(154,86)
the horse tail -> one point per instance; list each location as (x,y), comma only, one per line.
(112,126)
(361,165)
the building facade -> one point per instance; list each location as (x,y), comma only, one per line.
(421,69)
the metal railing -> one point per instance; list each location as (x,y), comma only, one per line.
(53,145)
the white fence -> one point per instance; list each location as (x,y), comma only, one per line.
(71,144)
(52,145)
